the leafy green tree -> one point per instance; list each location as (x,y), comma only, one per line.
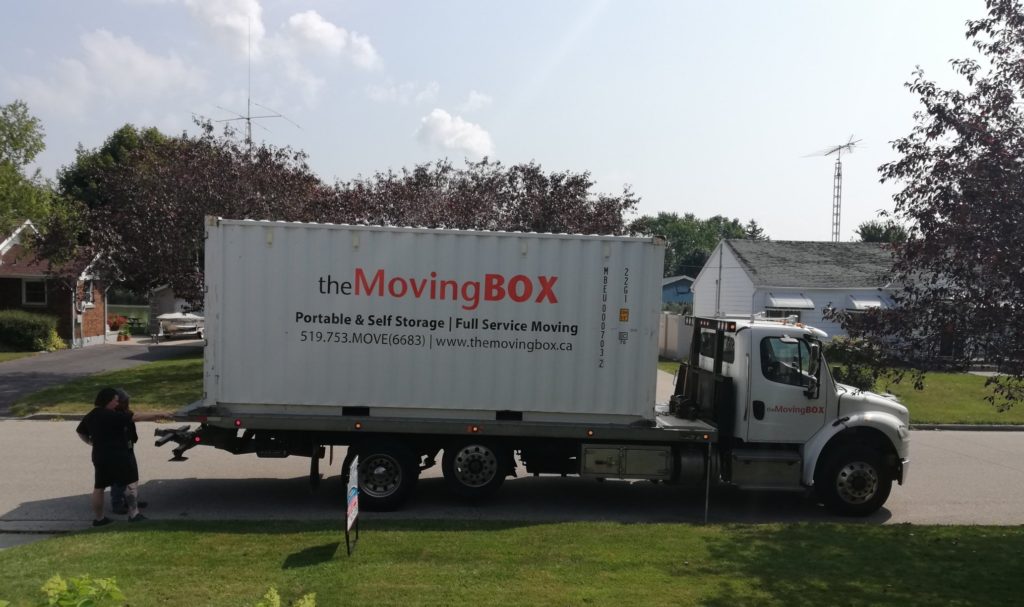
(882,231)
(959,278)
(80,180)
(21,134)
(22,196)
(690,239)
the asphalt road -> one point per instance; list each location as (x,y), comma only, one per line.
(24,376)
(955,478)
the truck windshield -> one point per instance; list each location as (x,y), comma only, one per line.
(786,361)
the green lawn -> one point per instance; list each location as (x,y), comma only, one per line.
(668,366)
(6,356)
(952,398)
(164,385)
(495,563)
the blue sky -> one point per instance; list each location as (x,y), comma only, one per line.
(702,107)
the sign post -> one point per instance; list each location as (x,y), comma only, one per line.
(352,506)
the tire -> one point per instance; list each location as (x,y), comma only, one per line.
(474,469)
(853,481)
(388,472)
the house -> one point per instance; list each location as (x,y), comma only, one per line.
(676,289)
(793,278)
(78,304)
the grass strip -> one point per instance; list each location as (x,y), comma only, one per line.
(163,385)
(491,563)
(951,398)
(6,356)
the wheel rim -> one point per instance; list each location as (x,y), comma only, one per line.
(381,475)
(475,465)
(857,482)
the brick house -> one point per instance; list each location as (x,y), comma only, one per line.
(25,284)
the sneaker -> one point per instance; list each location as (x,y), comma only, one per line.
(101,522)
(138,518)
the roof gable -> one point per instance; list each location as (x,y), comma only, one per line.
(823,265)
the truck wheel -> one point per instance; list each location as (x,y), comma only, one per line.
(387,475)
(474,470)
(853,481)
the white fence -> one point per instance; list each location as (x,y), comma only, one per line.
(673,337)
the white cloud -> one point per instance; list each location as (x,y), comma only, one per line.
(308,32)
(403,94)
(476,101)
(441,129)
(111,67)
(314,32)
(231,20)
(429,93)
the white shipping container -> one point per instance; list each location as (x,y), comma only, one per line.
(431,323)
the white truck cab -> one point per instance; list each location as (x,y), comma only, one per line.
(784,422)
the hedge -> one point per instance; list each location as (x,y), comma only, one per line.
(28,331)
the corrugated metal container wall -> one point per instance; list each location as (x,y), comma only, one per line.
(309,314)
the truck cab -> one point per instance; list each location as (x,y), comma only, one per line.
(783,421)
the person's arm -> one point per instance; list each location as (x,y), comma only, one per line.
(83,432)
(150,417)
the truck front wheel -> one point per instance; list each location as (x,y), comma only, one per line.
(474,470)
(853,481)
(387,475)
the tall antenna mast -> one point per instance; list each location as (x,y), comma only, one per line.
(837,180)
(248,117)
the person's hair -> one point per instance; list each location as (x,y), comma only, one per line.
(123,398)
(104,396)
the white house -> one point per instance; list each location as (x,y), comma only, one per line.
(793,278)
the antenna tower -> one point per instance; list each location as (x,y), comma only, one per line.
(248,117)
(837,180)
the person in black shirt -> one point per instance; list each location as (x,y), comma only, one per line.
(107,430)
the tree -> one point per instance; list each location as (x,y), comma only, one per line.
(79,180)
(21,134)
(881,231)
(144,208)
(753,231)
(484,195)
(960,278)
(690,240)
(22,196)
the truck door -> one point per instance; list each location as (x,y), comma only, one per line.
(779,409)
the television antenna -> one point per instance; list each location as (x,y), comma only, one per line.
(837,179)
(248,117)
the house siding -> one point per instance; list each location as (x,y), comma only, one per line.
(737,289)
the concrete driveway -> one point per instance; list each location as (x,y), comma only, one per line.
(21,377)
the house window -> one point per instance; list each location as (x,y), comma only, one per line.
(87,294)
(781,313)
(33,292)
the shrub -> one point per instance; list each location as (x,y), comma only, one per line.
(27,331)
(82,590)
(856,360)
(116,321)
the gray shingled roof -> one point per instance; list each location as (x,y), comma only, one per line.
(828,265)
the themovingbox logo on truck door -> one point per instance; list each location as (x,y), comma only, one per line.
(494,287)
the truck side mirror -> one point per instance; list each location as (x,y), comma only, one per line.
(812,387)
(814,364)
